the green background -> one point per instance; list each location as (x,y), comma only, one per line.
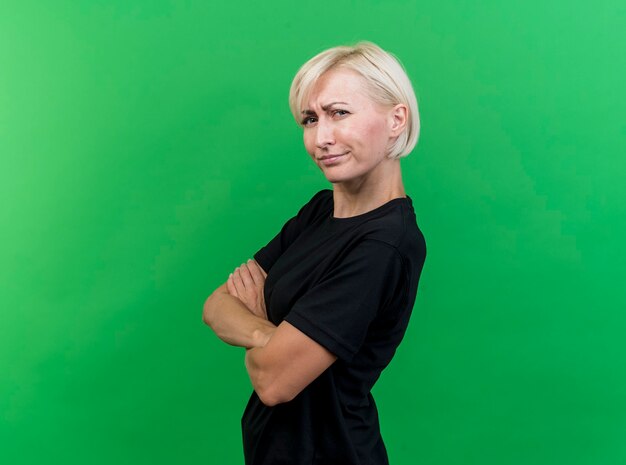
(147,149)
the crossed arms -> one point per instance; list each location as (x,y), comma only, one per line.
(281,360)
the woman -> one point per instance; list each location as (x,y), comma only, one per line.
(323,306)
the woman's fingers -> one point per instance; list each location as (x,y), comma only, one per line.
(246,277)
(238,280)
(261,270)
(230,284)
(246,283)
(256,272)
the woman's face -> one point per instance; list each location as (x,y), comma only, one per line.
(345,132)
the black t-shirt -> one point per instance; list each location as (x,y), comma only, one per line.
(349,284)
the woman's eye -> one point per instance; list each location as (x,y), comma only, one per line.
(308,120)
(340,112)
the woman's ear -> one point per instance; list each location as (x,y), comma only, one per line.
(398,117)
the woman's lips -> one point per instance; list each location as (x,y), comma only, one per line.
(331,160)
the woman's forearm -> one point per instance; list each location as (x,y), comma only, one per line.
(233,323)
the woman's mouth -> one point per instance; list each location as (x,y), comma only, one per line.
(332,159)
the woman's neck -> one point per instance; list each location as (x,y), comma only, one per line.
(359,196)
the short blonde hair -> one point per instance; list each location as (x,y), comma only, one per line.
(386,78)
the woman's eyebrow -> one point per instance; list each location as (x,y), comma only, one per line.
(324,107)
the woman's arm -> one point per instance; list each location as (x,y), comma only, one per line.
(233,323)
(281,361)
(289,362)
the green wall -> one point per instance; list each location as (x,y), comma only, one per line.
(147,149)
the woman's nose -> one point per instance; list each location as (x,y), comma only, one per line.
(324,134)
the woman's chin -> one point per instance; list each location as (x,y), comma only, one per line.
(336,175)
(336,179)
(333,174)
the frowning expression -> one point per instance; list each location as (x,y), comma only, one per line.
(346,133)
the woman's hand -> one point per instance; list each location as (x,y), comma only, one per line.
(246,283)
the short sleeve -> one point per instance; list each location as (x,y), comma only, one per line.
(267,255)
(338,310)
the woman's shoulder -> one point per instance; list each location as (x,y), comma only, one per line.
(397,227)
(322,196)
(319,203)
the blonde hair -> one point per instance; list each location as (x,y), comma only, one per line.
(386,78)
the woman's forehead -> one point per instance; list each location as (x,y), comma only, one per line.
(337,86)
